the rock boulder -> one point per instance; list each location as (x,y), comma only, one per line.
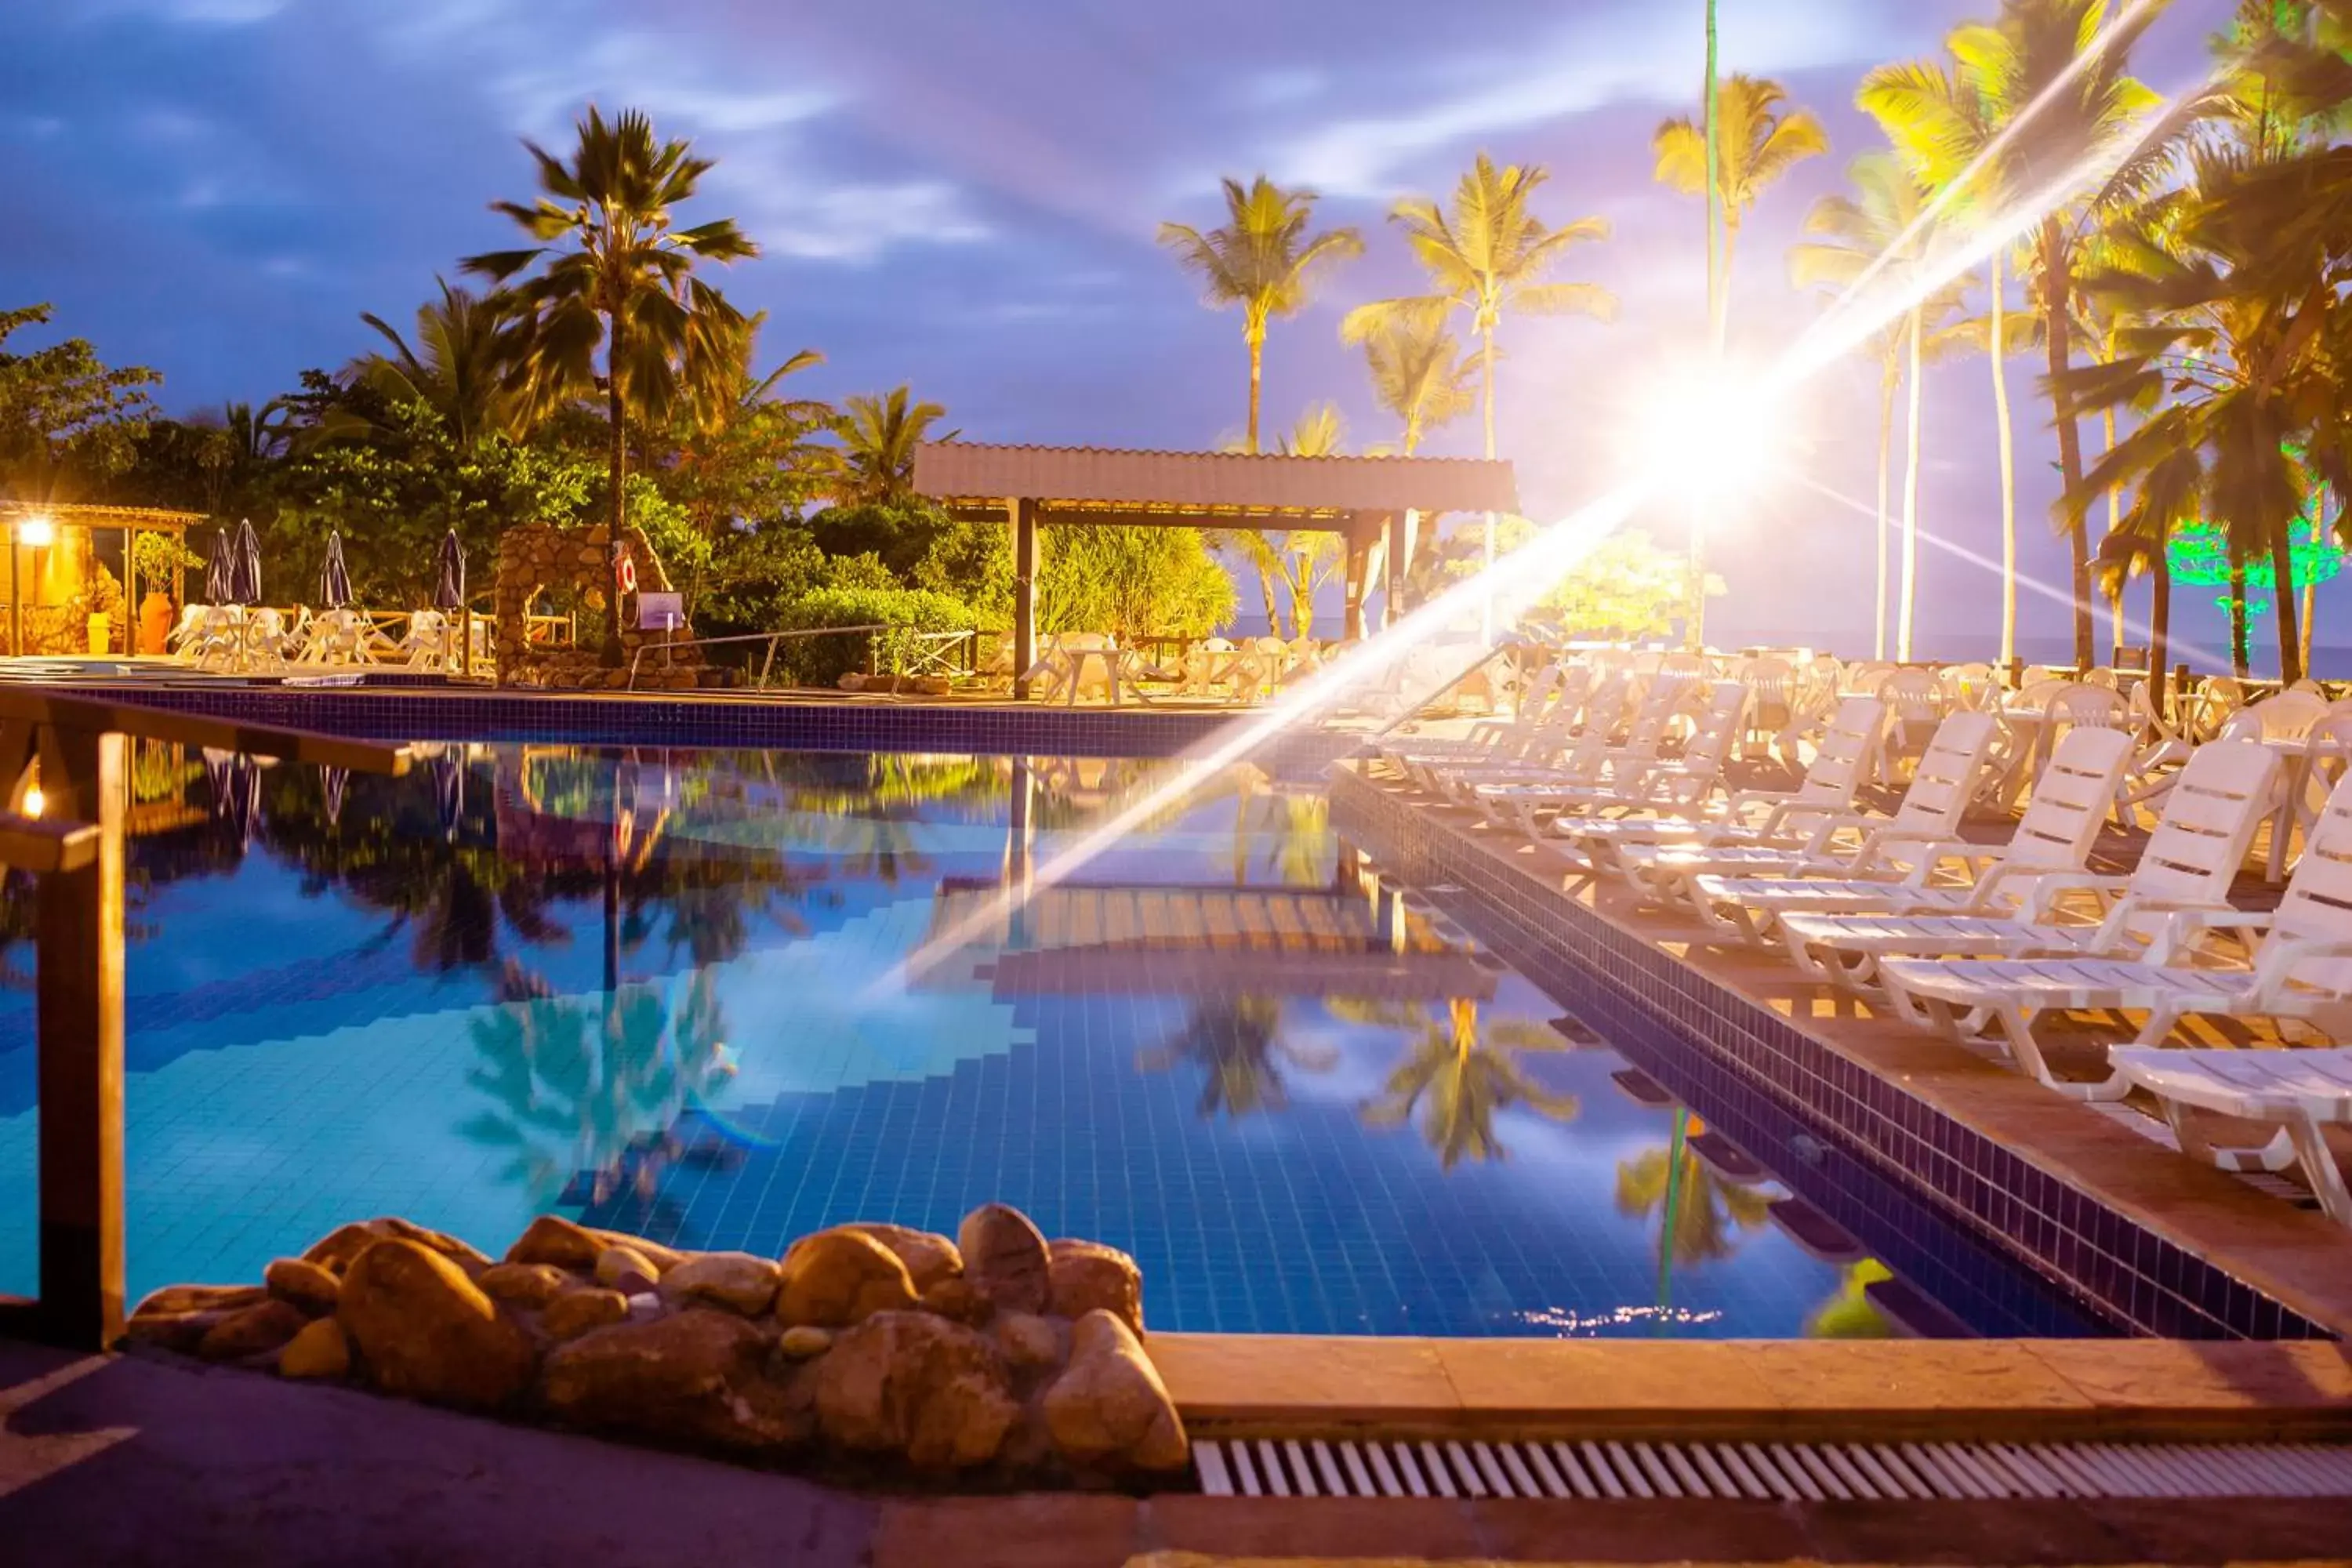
(693,1377)
(835,1277)
(526,1284)
(339,1248)
(424,1330)
(735,1280)
(576,1312)
(252,1331)
(1086,1276)
(916,1385)
(1004,1258)
(321,1351)
(313,1287)
(930,1257)
(1108,1408)
(553,1239)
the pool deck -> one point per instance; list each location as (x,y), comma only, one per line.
(2294,1255)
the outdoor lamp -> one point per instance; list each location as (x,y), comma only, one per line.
(37,531)
(1712,433)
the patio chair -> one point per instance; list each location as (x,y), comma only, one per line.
(1879,847)
(1544,726)
(1752,816)
(2298,1091)
(190,631)
(340,636)
(1917,703)
(267,640)
(1679,787)
(426,643)
(2299,966)
(2053,838)
(1595,756)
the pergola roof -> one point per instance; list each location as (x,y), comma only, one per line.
(82,514)
(1100,484)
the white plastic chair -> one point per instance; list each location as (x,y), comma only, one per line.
(2297,1091)
(1678,787)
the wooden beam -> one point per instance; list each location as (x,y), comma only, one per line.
(84,715)
(34,844)
(1246,523)
(1024,593)
(78,1012)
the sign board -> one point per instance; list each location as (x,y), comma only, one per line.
(660,612)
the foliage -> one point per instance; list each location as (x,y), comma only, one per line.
(1236,1043)
(973,561)
(1626,588)
(155,558)
(1419,375)
(1458,1076)
(822,661)
(879,438)
(1131,582)
(1263,259)
(755,575)
(65,416)
(1486,255)
(1709,1212)
(1759,139)
(900,533)
(463,367)
(750,456)
(616,273)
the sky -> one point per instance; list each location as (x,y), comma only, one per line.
(964,198)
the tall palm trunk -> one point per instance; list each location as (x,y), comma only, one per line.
(611,656)
(2241,657)
(2114,521)
(1910,500)
(2283,588)
(2159,624)
(1486,550)
(1273,605)
(1999,345)
(1256,335)
(2057,298)
(1889,381)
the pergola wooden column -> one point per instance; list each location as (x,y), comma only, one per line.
(74,848)
(1373,502)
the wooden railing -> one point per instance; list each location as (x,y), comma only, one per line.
(74,848)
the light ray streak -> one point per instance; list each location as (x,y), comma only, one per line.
(2176,643)
(1951,194)
(1518,578)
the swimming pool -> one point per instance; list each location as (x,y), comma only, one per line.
(667,991)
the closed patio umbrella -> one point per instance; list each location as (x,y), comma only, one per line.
(333,782)
(245,583)
(449,584)
(220,573)
(449,790)
(334,577)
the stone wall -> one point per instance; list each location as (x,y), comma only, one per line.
(993,1358)
(536,557)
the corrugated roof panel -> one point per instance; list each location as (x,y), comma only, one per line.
(964,471)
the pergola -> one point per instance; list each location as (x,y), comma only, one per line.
(1374,502)
(34,526)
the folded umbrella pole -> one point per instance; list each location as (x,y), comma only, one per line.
(449,594)
(334,577)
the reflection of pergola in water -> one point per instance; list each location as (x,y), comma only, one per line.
(1077,937)
(1374,503)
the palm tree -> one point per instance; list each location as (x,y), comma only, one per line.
(1708,1212)
(619,276)
(2238,360)
(879,438)
(462,366)
(1460,1078)
(2051,80)
(1879,235)
(1421,375)
(1263,260)
(1758,139)
(1488,256)
(1237,1042)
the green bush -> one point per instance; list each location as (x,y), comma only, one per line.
(823,661)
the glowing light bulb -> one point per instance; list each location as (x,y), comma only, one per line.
(33,800)
(37,531)
(1714,434)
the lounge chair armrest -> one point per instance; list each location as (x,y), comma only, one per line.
(2056,884)
(2281,956)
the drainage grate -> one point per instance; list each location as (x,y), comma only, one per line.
(1814,1472)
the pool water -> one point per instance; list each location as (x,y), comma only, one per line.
(671,992)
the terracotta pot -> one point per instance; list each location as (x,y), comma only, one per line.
(155,624)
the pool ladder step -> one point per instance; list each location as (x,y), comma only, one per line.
(1794,1472)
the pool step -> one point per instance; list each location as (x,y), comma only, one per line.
(1792,1472)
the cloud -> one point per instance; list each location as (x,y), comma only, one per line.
(855,222)
(206,12)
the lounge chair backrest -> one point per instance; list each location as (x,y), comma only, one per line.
(2289,716)
(2218,700)
(2209,816)
(1605,705)
(2071,798)
(1948,774)
(1864,677)
(1915,695)
(2318,904)
(2082,705)
(2035,694)
(1718,727)
(1971,685)
(1843,754)
(1659,705)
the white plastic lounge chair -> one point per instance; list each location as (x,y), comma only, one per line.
(2296,1091)
(1590,761)
(1679,787)
(2300,966)
(2188,863)
(1543,725)
(2055,834)
(1755,816)
(1522,796)
(1882,847)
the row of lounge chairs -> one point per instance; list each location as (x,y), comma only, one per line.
(232,637)
(1984,942)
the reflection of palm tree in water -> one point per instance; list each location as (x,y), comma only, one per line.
(1461,1076)
(1292,831)
(1238,1043)
(1850,1314)
(1703,1215)
(578,1086)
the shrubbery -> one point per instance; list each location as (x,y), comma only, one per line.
(823,661)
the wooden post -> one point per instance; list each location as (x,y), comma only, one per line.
(1358,571)
(80,1026)
(1402,529)
(130,592)
(1024,593)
